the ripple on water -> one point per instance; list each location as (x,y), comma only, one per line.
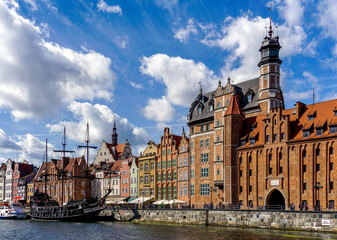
(37,230)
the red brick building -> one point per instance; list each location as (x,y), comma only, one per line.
(247,150)
(167,165)
(73,184)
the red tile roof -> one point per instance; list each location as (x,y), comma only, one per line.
(323,113)
(233,107)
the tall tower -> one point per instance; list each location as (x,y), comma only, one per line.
(114,135)
(270,93)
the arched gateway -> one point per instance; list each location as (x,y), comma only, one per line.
(275,200)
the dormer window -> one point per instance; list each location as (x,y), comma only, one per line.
(306,133)
(211,107)
(200,110)
(311,115)
(332,129)
(249,98)
(242,142)
(252,141)
(319,131)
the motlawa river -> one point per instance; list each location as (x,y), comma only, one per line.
(29,229)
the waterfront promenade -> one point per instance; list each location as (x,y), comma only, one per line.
(294,220)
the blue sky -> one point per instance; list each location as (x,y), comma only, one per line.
(65,63)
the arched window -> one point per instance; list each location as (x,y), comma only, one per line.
(304,153)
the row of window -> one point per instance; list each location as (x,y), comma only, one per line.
(146,179)
(146,167)
(319,131)
(166,164)
(168,152)
(183,162)
(183,191)
(163,177)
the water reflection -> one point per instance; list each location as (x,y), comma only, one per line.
(129,231)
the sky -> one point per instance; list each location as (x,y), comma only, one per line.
(65,63)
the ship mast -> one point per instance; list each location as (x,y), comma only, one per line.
(63,151)
(45,172)
(87,140)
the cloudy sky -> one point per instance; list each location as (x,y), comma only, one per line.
(66,63)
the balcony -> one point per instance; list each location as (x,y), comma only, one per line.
(218,183)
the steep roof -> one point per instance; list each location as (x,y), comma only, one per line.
(233,107)
(244,88)
(323,117)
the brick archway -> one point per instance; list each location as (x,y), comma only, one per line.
(275,200)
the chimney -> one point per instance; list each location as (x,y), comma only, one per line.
(299,109)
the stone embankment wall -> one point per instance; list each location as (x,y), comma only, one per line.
(323,221)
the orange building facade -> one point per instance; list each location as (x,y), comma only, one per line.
(167,166)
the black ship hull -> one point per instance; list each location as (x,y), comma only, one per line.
(65,214)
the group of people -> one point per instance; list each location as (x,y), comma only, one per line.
(301,206)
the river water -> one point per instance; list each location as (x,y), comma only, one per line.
(29,229)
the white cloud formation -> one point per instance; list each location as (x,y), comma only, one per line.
(7,144)
(159,109)
(32,4)
(291,10)
(136,85)
(181,78)
(328,19)
(183,34)
(168,4)
(26,147)
(37,76)
(100,118)
(242,37)
(33,149)
(104,7)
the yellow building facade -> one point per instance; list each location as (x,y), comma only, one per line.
(147,171)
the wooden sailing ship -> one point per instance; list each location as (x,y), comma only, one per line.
(44,207)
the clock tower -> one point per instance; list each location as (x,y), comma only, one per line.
(270,93)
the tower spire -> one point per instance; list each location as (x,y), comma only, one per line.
(114,136)
(200,87)
(270,25)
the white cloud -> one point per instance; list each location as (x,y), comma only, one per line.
(121,41)
(26,147)
(32,3)
(242,37)
(181,78)
(136,85)
(37,76)
(159,109)
(100,118)
(328,19)
(33,149)
(168,4)
(7,144)
(104,7)
(291,10)
(183,34)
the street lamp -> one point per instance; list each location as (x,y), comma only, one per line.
(318,187)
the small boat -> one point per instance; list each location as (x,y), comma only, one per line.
(11,212)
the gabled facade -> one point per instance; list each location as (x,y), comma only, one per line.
(134,178)
(167,166)
(147,180)
(73,184)
(20,171)
(125,178)
(9,180)
(2,181)
(184,174)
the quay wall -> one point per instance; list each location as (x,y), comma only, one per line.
(297,220)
